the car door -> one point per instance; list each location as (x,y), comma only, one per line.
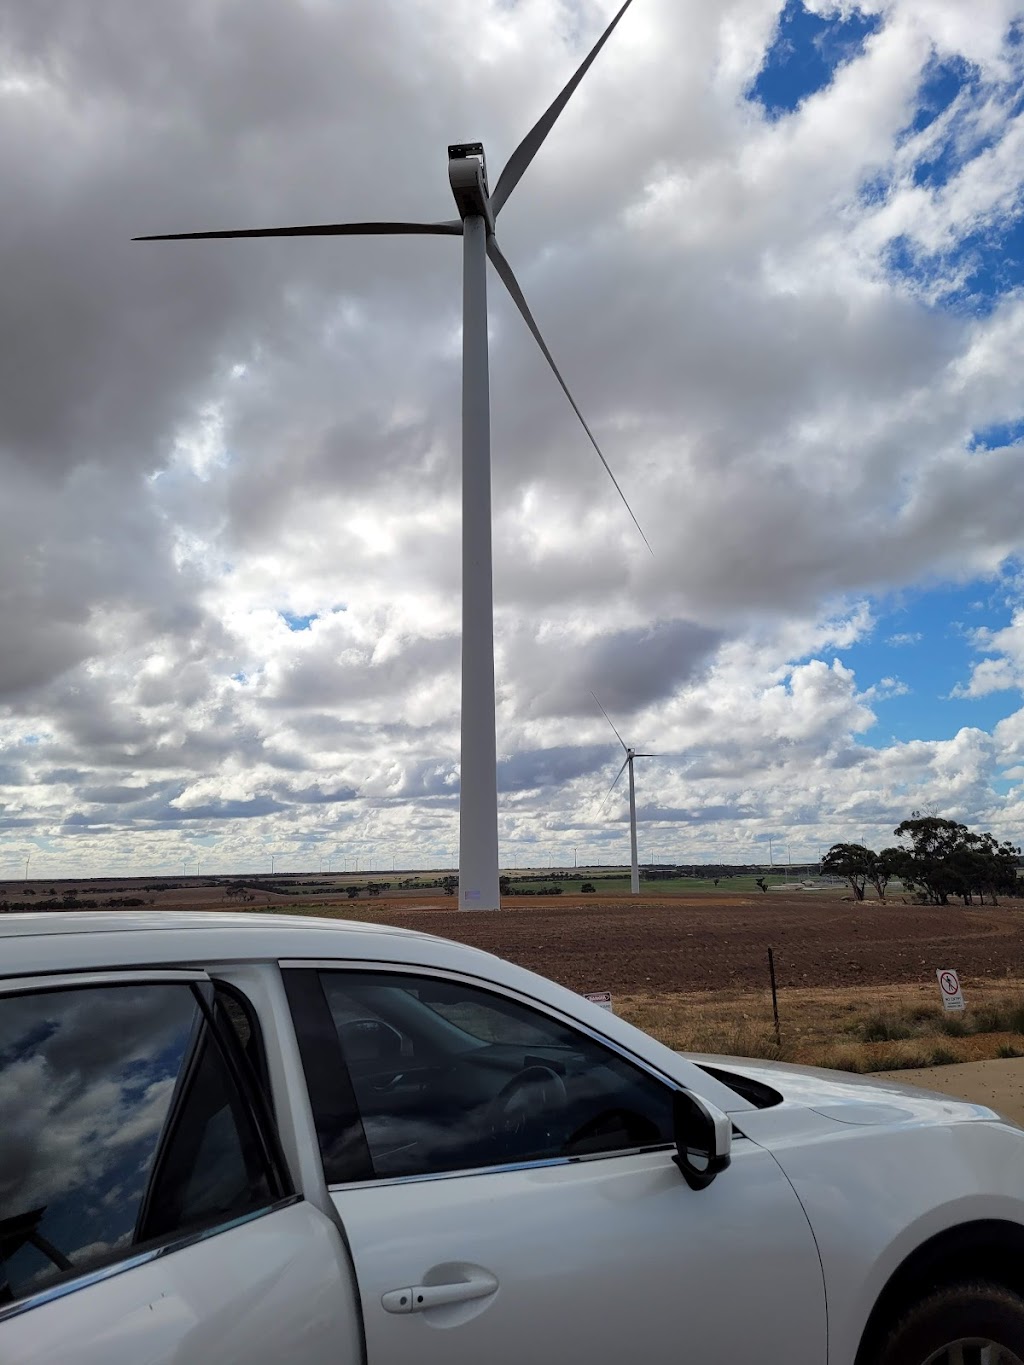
(507,1188)
(145,1214)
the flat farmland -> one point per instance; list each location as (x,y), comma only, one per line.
(703,941)
(720,942)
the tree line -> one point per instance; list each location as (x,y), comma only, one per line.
(938,859)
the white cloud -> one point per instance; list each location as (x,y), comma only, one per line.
(197,437)
(905,637)
(1005,668)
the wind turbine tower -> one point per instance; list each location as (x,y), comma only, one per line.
(478,206)
(634,865)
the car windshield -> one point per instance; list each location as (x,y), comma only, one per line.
(491,1021)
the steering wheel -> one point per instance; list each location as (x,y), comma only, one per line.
(522,1108)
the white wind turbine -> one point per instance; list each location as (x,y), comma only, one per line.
(634,866)
(478,208)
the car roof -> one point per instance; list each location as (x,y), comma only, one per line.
(87,940)
(30,923)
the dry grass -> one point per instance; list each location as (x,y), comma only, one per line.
(881,1028)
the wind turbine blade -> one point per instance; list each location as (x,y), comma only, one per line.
(449,229)
(609,720)
(615,783)
(503,268)
(639,755)
(531,143)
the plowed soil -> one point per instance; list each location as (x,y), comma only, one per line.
(716,943)
(655,944)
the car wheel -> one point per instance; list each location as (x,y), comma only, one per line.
(966,1324)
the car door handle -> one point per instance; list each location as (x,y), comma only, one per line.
(419,1297)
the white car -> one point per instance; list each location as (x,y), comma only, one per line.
(252,1140)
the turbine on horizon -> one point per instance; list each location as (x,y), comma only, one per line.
(634,866)
(478,208)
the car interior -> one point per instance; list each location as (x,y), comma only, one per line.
(447,1076)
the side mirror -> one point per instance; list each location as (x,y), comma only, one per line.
(703,1137)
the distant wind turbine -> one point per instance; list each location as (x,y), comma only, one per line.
(634,874)
(478,208)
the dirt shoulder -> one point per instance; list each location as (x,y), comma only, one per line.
(999,1084)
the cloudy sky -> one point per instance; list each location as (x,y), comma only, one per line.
(778,252)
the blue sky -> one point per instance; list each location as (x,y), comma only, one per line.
(808,48)
(924,640)
(923,636)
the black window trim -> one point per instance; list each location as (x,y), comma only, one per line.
(202,989)
(247,1083)
(308,970)
(326,1072)
(258,1073)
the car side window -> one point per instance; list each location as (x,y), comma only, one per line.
(447,1076)
(121,1127)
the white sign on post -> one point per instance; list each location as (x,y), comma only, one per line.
(602,998)
(950,990)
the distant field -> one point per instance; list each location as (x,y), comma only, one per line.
(668,886)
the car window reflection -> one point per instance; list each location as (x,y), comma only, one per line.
(119,1125)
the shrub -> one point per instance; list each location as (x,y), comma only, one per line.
(922,1013)
(943,1056)
(882,1028)
(843,1060)
(1009,1050)
(747,1038)
(900,1058)
(586,888)
(990,1018)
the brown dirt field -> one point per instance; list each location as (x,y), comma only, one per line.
(672,943)
(711,943)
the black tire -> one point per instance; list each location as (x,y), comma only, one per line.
(962,1312)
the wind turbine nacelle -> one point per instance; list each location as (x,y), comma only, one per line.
(467,172)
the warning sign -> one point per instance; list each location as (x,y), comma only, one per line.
(950,990)
(602,998)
